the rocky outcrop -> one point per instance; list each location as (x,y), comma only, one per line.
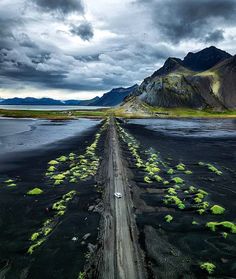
(175,85)
(219,82)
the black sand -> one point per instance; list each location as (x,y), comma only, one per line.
(22,215)
(172,250)
(175,250)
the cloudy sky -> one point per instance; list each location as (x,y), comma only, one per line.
(79,49)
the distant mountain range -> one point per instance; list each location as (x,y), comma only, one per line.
(114,97)
(203,79)
(111,98)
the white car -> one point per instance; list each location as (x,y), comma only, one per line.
(118,195)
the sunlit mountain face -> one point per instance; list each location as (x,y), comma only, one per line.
(74,49)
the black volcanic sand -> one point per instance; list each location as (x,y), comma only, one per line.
(21,215)
(174,250)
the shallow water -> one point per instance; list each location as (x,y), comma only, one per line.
(212,128)
(28,134)
(47,108)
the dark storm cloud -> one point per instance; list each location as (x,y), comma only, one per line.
(87,58)
(40,71)
(214,36)
(25,41)
(17,65)
(183,19)
(83,30)
(61,6)
(7,39)
(31,76)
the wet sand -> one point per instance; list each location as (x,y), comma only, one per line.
(22,137)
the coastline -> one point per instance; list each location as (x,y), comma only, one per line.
(156,113)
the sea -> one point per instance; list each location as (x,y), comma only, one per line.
(48,108)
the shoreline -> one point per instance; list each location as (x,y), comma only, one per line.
(151,113)
(52,115)
(27,137)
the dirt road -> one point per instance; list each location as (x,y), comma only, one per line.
(121,254)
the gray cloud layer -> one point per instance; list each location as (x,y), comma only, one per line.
(183,19)
(62,6)
(83,30)
(64,44)
(215,36)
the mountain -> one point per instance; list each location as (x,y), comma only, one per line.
(219,82)
(171,64)
(80,102)
(111,98)
(180,83)
(114,97)
(46,101)
(30,101)
(204,59)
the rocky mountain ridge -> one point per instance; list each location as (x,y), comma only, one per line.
(178,84)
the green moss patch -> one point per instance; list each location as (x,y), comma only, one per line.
(201,211)
(173,199)
(204,205)
(168,218)
(225,234)
(51,169)
(180,167)
(211,168)
(34,236)
(82,275)
(9,181)
(178,180)
(59,176)
(53,162)
(202,192)
(225,224)
(217,209)
(147,180)
(35,191)
(158,178)
(192,189)
(11,185)
(170,171)
(34,246)
(62,159)
(58,182)
(60,208)
(171,191)
(214,169)
(208,267)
